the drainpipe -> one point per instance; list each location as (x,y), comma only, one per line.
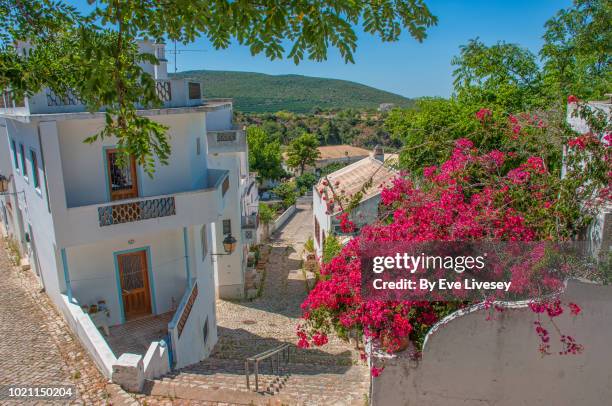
(42,164)
(66,275)
(186,243)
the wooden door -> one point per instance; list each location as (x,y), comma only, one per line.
(134,284)
(123,181)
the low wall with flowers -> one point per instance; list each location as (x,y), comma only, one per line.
(473,360)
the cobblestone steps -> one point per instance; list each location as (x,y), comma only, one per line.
(297,384)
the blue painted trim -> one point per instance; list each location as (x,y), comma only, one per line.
(66,274)
(15,158)
(119,296)
(147,249)
(35,174)
(24,169)
(105,171)
(186,243)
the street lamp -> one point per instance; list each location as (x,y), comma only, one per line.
(229,245)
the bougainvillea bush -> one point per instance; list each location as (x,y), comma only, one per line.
(514,194)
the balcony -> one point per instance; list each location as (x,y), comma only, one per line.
(233,140)
(131,217)
(173,93)
(250,222)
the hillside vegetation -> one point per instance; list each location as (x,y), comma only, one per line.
(258,92)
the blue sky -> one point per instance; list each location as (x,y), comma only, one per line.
(405,67)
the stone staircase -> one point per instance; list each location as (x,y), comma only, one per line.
(223,380)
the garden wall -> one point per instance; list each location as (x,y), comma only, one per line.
(282,219)
(472,361)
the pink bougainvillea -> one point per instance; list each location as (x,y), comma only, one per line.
(474,195)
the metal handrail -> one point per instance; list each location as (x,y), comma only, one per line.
(280,351)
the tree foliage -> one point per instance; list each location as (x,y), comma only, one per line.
(94,54)
(264,154)
(503,74)
(577,50)
(286,191)
(303,151)
(331,248)
(266,214)
(492,82)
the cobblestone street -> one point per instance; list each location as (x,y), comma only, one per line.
(36,347)
(246,328)
(327,375)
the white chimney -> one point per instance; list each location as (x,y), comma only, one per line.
(378,153)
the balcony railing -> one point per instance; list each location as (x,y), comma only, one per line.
(163,89)
(136,211)
(91,223)
(250,222)
(68,99)
(233,140)
(173,93)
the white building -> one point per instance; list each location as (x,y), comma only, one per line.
(599,233)
(143,248)
(348,181)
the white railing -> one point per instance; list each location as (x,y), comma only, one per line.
(233,140)
(181,317)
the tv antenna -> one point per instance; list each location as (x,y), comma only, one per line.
(175,52)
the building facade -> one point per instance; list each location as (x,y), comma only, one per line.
(349,181)
(112,245)
(599,234)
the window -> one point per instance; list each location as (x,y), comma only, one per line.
(204,239)
(198,147)
(24,168)
(227,226)
(225,186)
(14,148)
(194,91)
(122,177)
(35,177)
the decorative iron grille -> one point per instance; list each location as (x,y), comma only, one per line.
(163,90)
(187,309)
(136,211)
(69,99)
(226,136)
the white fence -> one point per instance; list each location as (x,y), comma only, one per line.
(470,360)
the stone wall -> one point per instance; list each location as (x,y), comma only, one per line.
(474,361)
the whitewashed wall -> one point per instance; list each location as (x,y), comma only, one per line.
(190,347)
(93,275)
(84,170)
(319,209)
(472,361)
(32,204)
(229,270)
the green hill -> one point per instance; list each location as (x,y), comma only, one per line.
(258,92)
